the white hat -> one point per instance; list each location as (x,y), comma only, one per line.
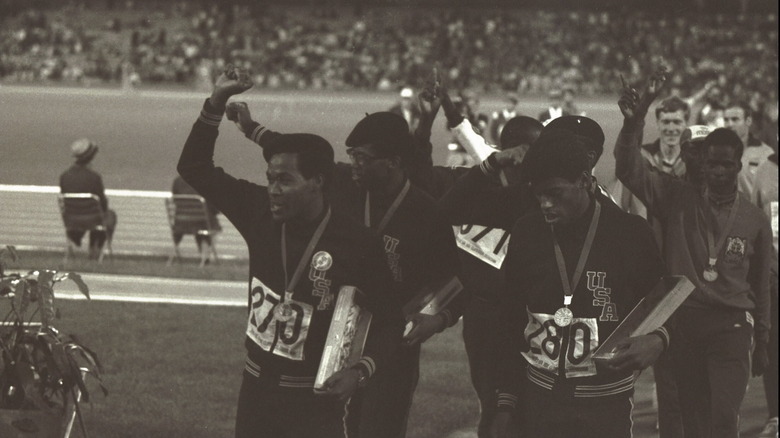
(83,150)
(407,93)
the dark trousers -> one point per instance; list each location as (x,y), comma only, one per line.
(711,355)
(480,326)
(548,416)
(267,411)
(96,238)
(669,417)
(770,376)
(381,409)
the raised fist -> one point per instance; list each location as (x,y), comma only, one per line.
(232,81)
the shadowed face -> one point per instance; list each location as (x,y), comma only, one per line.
(291,194)
(721,167)
(369,169)
(561,200)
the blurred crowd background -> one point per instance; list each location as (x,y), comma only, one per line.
(486,46)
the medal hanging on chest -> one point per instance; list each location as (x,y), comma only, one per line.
(284,311)
(564,316)
(710,272)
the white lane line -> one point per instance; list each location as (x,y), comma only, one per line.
(136,299)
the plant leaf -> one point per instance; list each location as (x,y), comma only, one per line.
(46,296)
(83,288)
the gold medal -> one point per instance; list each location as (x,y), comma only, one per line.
(284,312)
(710,273)
(563,317)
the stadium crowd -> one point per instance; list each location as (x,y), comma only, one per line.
(184,42)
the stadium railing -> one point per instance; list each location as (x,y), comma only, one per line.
(30,219)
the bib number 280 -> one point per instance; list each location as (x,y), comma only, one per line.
(282,338)
(545,339)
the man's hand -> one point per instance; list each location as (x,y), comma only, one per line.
(760,359)
(423,327)
(429,97)
(632,104)
(635,353)
(454,116)
(341,385)
(238,113)
(512,156)
(499,428)
(232,81)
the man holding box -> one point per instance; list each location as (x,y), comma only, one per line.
(419,249)
(301,253)
(574,270)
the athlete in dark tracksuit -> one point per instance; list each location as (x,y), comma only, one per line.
(725,314)
(420,251)
(546,368)
(277,398)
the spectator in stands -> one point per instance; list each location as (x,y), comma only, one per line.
(738,118)
(499,118)
(204,242)
(569,106)
(555,109)
(81,178)
(407,108)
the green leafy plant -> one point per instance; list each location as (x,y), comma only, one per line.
(40,369)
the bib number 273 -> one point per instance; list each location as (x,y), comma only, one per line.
(282,338)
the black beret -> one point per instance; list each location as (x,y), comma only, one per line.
(520,130)
(556,153)
(587,129)
(387,131)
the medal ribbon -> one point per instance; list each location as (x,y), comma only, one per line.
(715,249)
(315,238)
(575,278)
(390,211)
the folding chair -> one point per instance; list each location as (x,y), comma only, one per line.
(189,214)
(83,212)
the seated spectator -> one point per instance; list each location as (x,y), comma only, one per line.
(80,178)
(204,242)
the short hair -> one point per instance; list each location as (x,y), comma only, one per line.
(741,104)
(556,153)
(315,154)
(725,137)
(520,130)
(672,104)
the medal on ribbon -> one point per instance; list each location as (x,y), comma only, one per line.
(284,312)
(563,317)
(710,273)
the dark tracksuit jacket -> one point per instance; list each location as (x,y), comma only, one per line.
(291,352)
(623,266)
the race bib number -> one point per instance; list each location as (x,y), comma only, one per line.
(546,341)
(486,244)
(282,338)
